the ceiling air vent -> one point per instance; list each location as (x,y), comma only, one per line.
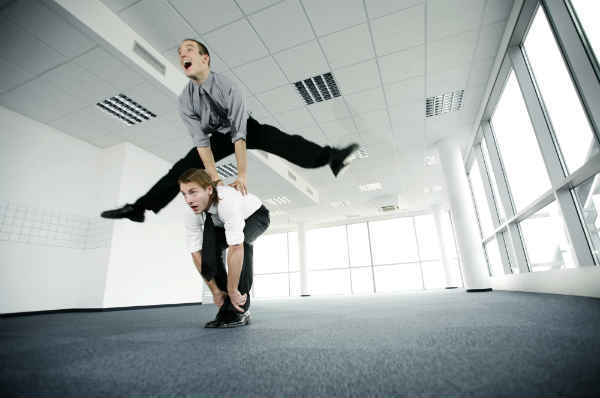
(448,102)
(227,170)
(388,208)
(318,88)
(125,109)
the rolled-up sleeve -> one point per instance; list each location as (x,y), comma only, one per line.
(194,231)
(232,214)
(236,112)
(193,124)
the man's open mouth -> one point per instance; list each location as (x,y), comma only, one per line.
(187,64)
(194,208)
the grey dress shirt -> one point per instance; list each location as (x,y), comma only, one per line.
(216,105)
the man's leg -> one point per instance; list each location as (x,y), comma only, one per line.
(296,149)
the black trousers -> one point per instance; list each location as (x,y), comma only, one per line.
(294,148)
(256,224)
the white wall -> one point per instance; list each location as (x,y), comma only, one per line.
(45,173)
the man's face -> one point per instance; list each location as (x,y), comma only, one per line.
(195,196)
(193,63)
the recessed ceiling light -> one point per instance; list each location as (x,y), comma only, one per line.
(370,187)
(125,109)
(278,201)
(341,203)
(430,160)
(362,153)
(444,103)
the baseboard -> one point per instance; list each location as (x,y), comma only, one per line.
(489,289)
(305,295)
(139,307)
(452,287)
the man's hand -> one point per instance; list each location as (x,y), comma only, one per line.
(219,298)
(237,299)
(240,184)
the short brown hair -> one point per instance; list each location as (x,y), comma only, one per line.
(202,48)
(201,178)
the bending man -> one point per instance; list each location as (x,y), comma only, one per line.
(223,218)
(214,111)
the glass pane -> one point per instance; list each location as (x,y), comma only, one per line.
(481,203)
(393,241)
(570,124)
(295,284)
(433,274)
(327,248)
(276,285)
(294,254)
(358,238)
(587,12)
(511,257)
(362,280)
(270,254)
(488,167)
(545,240)
(521,157)
(394,278)
(329,282)
(493,256)
(588,197)
(429,248)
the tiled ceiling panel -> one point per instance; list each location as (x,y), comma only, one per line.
(303,61)
(334,15)
(237,43)
(205,16)
(348,46)
(399,31)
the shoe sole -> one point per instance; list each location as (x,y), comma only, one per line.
(235,324)
(346,162)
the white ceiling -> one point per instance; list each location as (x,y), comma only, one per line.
(386,55)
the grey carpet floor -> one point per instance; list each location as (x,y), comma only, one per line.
(426,344)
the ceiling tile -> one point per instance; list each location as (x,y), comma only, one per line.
(335,129)
(158,23)
(48,27)
(22,49)
(452,52)
(449,17)
(251,6)
(237,43)
(352,79)
(256,109)
(11,76)
(281,99)
(480,71)
(237,81)
(158,100)
(497,10)
(406,91)
(403,65)
(448,81)
(365,101)
(373,122)
(340,54)
(109,68)
(261,75)
(489,40)
(302,62)
(329,110)
(333,15)
(273,25)
(400,30)
(297,119)
(80,83)
(208,15)
(118,5)
(53,104)
(88,122)
(379,8)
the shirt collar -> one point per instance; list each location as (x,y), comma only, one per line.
(207,83)
(212,209)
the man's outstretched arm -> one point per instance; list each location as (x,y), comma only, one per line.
(209,162)
(235,259)
(218,295)
(240,155)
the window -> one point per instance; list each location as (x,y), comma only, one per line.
(393,241)
(271,285)
(362,280)
(519,151)
(588,198)
(393,278)
(488,166)
(493,256)
(481,204)
(433,274)
(271,254)
(358,239)
(329,282)
(587,12)
(569,122)
(429,248)
(327,248)
(545,240)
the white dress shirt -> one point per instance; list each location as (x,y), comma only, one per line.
(230,213)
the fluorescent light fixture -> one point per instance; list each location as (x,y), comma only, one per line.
(341,203)
(125,109)
(430,160)
(370,187)
(444,103)
(278,201)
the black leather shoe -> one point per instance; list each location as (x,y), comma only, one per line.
(341,158)
(239,320)
(132,212)
(213,324)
